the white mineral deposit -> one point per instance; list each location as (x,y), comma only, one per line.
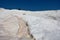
(29,25)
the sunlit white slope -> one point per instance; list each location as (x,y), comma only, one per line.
(44,25)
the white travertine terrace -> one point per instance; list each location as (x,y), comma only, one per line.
(43,25)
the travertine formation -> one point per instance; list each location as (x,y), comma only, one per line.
(29,25)
(23,31)
(13,27)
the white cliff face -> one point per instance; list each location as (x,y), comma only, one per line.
(44,25)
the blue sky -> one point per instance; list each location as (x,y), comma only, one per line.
(31,4)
